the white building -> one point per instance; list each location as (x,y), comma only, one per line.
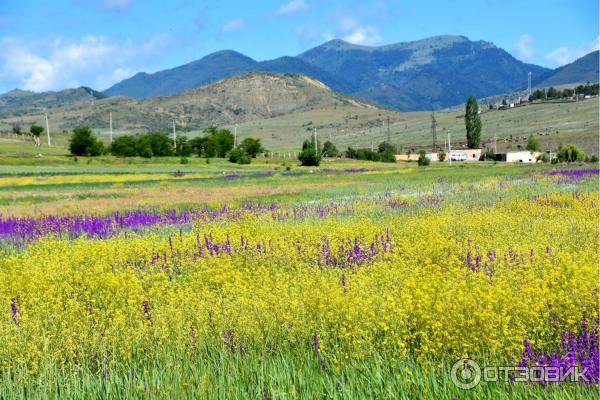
(520,156)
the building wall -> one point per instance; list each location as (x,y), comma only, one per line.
(522,156)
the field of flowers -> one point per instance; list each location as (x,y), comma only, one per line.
(347,282)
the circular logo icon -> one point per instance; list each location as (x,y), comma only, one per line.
(465,374)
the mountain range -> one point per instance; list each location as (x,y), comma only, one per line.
(22,102)
(242,98)
(433,73)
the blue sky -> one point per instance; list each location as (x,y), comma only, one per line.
(55,44)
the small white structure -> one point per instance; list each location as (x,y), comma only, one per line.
(522,156)
(458,156)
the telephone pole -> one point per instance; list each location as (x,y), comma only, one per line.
(47,128)
(316,146)
(529,84)
(389,137)
(174,136)
(449,149)
(433,130)
(235,136)
(111,131)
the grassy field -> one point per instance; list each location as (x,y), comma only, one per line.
(151,279)
(551,123)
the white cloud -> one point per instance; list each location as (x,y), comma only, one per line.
(524,47)
(120,5)
(564,55)
(233,25)
(351,29)
(292,7)
(55,64)
(365,35)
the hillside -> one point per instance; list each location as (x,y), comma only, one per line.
(432,73)
(21,102)
(233,100)
(582,70)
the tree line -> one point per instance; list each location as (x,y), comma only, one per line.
(555,94)
(216,142)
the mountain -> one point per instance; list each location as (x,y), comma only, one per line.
(436,72)
(431,73)
(582,70)
(21,102)
(243,98)
(215,66)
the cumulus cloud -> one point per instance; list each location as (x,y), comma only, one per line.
(233,25)
(351,29)
(54,64)
(524,47)
(565,55)
(292,7)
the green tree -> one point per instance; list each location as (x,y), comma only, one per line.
(83,143)
(423,160)
(35,132)
(329,149)
(570,153)
(473,123)
(251,147)
(218,142)
(387,152)
(124,146)
(532,144)
(309,157)
(161,145)
(184,148)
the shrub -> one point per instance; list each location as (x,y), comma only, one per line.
(329,149)
(123,146)
(83,143)
(570,153)
(543,158)
(309,158)
(441,156)
(532,144)
(251,147)
(423,160)
(235,155)
(594,158)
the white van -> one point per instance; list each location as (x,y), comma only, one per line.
(458,156)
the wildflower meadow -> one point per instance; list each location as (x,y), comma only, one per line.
(271,283)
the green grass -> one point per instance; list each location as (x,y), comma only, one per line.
(213,371)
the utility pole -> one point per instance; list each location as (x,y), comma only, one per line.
(47,128)
(316,146)
(433,130)
(174,136)
(529,84)
(235,136)
(449,149)
(389,137)
(495,150)
(111,131)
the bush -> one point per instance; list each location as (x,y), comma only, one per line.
(570,153)
(441,156)
(251,147)
(124,146)
(543,158)
(532,144)
(309,158)
(423,160)
(329,149)
(184,160)
(594,159)
(236,155)
(83,143)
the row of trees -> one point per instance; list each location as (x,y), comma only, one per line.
(554,94)
(216,143)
